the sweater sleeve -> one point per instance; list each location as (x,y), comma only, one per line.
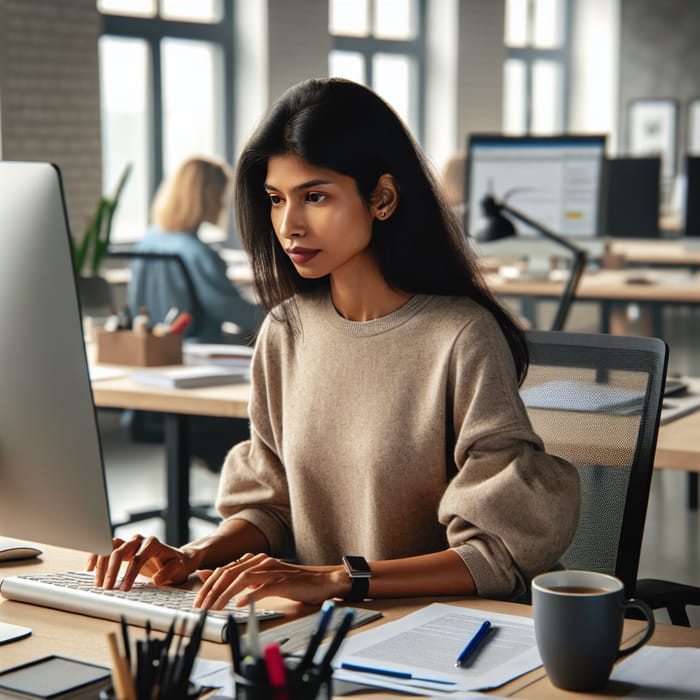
(253,484)
(511,509)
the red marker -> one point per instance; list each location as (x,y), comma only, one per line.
(180,323)
(276,672)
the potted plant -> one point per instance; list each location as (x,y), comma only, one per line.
(88,252)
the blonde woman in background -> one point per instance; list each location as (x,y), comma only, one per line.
(197,193)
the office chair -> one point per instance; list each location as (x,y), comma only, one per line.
(160,275)
(595,400)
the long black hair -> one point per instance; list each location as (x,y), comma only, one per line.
(343,126)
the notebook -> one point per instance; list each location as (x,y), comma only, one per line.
(188,376)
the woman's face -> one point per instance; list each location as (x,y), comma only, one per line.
(318,216)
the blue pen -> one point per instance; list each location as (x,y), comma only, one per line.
(392,673)
(473,643)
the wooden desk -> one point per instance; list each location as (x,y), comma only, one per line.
(607,287)
(228,401)
(677,447)
(656,252)
(85,637)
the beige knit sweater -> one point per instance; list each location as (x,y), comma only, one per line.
(397,437)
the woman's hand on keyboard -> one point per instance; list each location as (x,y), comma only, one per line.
(143,555)
(256,576)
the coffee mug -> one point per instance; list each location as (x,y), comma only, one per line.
(578,626)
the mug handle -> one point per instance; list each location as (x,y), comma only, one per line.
(649,615)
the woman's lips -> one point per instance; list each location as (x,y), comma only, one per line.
(300,256)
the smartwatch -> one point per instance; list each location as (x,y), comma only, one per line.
(360,574)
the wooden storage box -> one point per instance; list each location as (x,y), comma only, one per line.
(138,349)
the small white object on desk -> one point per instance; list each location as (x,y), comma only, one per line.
(188,377)
(11,550)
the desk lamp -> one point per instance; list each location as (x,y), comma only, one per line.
(499,226)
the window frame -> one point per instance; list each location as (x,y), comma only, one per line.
(152,30)
(369,46)
(561,55)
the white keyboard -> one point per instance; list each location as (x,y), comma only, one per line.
(75,592)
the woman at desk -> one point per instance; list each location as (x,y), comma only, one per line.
(196,194)
(385,415)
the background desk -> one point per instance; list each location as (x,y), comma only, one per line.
(85,637)
(228,401)
(677,448)
(607,287)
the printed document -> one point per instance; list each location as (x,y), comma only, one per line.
(418,652)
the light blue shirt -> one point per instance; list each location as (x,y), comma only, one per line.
(160,285)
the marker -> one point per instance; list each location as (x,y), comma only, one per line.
(473,643)
(276,672)
(180,323)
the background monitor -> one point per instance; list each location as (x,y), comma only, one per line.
(554,180)
(52,483)
(692,196)
(631,197)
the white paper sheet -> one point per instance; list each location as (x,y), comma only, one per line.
(426,644)
(670,673)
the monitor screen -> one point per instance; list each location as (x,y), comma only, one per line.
(692,196)
(52,483)
(553,180)
(631,197)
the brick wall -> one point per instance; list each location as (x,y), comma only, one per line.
(49,93)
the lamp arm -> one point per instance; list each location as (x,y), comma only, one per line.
(577,266)
(547,233)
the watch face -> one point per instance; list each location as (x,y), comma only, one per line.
(357,566)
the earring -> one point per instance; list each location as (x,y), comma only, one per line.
(382,214)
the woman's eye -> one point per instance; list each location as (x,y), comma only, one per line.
(275,199)
(315,197)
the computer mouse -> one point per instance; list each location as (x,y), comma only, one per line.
(20,550)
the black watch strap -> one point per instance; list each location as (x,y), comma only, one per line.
(360,574)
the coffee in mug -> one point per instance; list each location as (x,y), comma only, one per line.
(578,626)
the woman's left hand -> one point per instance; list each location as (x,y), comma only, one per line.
(256,576)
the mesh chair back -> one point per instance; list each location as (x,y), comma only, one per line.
(595,400)
(160,281)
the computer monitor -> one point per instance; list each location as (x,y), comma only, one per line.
(631,197)
(692,196)
(52,482)
(554,180)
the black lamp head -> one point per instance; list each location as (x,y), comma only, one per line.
(498,226)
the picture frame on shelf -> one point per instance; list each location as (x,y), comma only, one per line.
(651,130)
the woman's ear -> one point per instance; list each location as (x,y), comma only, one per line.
(385,197)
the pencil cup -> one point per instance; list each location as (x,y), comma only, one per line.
(578,626)
(310,684)
(193,691)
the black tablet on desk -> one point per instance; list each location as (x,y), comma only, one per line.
(55,677)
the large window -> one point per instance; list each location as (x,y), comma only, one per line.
(537,38)
(380,43)
(167,93)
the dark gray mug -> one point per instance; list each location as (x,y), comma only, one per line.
(578,626)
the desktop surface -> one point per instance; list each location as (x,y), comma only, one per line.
(84,638)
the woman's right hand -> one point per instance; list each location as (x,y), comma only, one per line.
(145,555)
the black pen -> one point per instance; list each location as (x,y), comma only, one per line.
(127,643)
(473,643)
(333,647)
(324,618)
(234,643)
